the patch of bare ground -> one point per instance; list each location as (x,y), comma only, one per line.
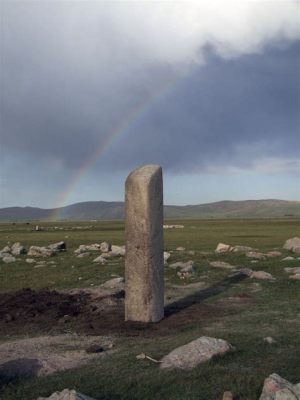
(98,312)
(45,355)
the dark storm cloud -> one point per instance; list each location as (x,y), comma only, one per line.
(69,77)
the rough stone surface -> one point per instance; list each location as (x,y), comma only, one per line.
(262,275)
(118,250)
(241,249)
(66,394)
(195,352)
(223,248)
(227,396)
(105,247)
(293,270)
(100,260)
(17,249)
(292,244)
(295,277)
(221,264)
(8,259)
(277,388)
(115,283)
(36,251)
(256,255)
(144,261)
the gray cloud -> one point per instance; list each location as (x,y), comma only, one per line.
(72,71)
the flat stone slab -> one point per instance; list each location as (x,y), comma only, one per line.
(196,352)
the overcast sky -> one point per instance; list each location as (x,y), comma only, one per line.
(90,90)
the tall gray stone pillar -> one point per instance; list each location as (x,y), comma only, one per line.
(144,264)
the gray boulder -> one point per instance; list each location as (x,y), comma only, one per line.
(67,394)
(17,249)
(195,352)
(8,259)
(277,388)
(293,245)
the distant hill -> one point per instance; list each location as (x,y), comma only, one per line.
(101,210)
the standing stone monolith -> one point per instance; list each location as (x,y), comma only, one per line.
(144,262)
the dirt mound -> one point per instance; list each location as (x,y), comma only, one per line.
(91,312)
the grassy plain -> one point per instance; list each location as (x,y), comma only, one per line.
(246,311)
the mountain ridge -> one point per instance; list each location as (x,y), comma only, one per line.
(110,210)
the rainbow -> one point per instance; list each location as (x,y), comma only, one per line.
(104,144)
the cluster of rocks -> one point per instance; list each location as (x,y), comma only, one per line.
(47,251)
(295,271)
(106,249)
(8,253)
(186,269)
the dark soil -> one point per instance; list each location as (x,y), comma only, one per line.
(43,311)
(30,311)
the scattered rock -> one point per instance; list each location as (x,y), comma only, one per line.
(115,283)
(105,247)
(66,394)
(296,277)
(277,388)
(6,249)
(57,247)
(118,250)
(17,249)
(191,252)
(262,275)
(269,340)
(241,249)
(36,251)
(227,396)
(182,265)
(221,264)
(195,352)
(180,248)
(82,255)
(223,248)
(100,260)
(8,259)
(186,270)
(256,255)
(167,255)
(88,247)
(274,253)
(30,260)
(293,245)
(293,270)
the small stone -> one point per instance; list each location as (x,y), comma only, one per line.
(167,255)
(269,340)
(295,277)
(30,260)
(293,245)
(221,264)
(274,253)
(241,249)
(191,252)
(180,248)
(293,270)
(195,352)
(256,255)
(115,283)
(105,247)
(227,396)
(262,275)
(82,255)
(182,265)
(100,260)
(17,249)
(223,248)
(289,258)
(8,259)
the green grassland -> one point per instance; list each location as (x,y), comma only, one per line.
(273,310)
